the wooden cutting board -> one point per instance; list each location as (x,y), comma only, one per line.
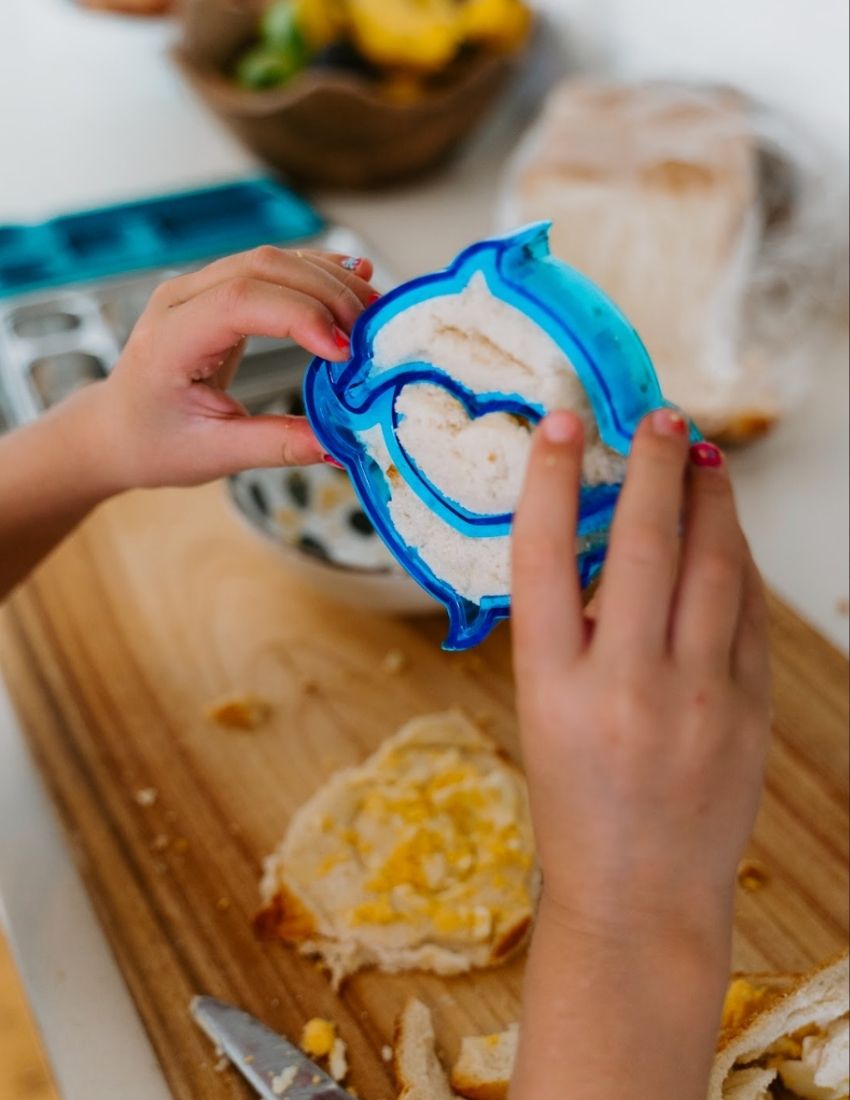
(164,602)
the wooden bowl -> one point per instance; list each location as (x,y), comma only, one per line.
(332,127)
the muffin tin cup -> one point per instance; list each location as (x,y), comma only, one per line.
(50,347)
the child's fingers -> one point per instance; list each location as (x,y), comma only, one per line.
(639,578)
(708,601)
(344,294)
(202,331)
(245,443)
(344,290)
(360,266)
(358,284)
(548,621)
(229,368)
(751,655)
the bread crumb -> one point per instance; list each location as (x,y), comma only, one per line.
(842,606)
(181,844)
(240,712)
(394,662)
(147,796)
(223,904)
(752,876)
(284,1081)
(387,1053)
(338,1060)
(160,843)
(484,719)
(275,1002)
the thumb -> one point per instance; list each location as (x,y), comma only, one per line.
(245,443)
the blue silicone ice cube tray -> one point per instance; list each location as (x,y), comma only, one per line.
(163,231)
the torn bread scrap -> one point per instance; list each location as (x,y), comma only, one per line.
(245,713)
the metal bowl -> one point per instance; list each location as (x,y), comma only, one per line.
(313,517)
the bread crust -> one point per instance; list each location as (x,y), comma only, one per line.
(795,1001)
(285,918)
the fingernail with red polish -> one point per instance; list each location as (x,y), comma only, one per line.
(706,455)
(560,428)
(340,339)
(370,301)
(669,422)
(332,462)
(352,263)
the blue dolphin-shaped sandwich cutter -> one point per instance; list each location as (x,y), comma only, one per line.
(343,400)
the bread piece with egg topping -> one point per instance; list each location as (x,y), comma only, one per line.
(421,858)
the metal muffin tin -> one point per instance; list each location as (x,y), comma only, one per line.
(53,342)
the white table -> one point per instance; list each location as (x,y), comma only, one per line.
(90,111)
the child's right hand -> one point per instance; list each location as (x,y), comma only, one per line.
(644,733)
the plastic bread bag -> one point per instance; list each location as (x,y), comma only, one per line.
(717,227)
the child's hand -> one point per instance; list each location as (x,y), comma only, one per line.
(165,411)
(644,732)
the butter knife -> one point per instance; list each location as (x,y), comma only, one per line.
(263,1057)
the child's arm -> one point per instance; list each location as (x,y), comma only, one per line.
(644,735)
(164,417)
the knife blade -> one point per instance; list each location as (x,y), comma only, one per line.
(263,1057)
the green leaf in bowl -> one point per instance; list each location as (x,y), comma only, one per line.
(267,67)
(280,27)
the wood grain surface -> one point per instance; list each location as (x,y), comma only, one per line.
(162,604)
(23,1072)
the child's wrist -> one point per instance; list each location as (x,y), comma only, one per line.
(701,930)
(82,430)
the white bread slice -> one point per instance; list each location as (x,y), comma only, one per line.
(420,858)
(814,1000)
(652,189)
(485,1066)
(419,1072)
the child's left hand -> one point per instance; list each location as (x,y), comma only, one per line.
(164,412)
(163,416)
